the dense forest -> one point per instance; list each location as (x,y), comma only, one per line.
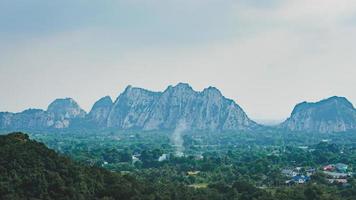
(30,170)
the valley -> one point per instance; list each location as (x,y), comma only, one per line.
(215,165)
(200,142)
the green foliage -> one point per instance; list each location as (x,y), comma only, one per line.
(29,170)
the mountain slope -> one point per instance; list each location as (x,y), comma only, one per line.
(206,110)
(139,109)
(60,114)
(28,119)
(29,170)
(131,108)
(100,111)
(63,111)
(335,114)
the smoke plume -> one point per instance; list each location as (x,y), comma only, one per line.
(177,137)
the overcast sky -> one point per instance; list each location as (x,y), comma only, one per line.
(266,55)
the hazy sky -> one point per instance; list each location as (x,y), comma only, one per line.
(266,55)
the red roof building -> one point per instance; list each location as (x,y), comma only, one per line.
(329,168)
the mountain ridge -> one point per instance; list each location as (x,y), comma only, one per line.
(142,109)
(206,110)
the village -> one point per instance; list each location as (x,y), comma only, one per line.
(333,173)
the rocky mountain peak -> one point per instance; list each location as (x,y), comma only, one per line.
(337,101)
(212,91)
(130,107)
(206,110)
(103,102)
(135,92)
(63,111)
(100,111)
(179,89)
(66,108)
(334,114)
(183,86)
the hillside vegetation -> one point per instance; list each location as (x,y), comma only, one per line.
(30,170)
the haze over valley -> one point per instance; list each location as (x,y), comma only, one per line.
(178,100)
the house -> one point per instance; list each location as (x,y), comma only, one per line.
(338,181)
(298,168)
(199,157)
(300,179)
(341,167)
(336,175)
(310,171)
(193,173)
(163,157)
(303,147)
(329,168)
(104,163)
(289,172)
(135,158)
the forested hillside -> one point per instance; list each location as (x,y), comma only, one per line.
(29,170)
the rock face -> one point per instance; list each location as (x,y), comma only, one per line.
(131,108)
(335,114)
(59,115)
(100,111)
(63,111)
(28,119)
(207,110)
(139,109)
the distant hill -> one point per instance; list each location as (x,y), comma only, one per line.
(29,170)
(140,109)
(335,114)
(59,115)
(179,105)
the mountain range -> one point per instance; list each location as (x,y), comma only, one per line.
(206,110)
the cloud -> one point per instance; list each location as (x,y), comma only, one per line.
(266,56)
(300,10)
